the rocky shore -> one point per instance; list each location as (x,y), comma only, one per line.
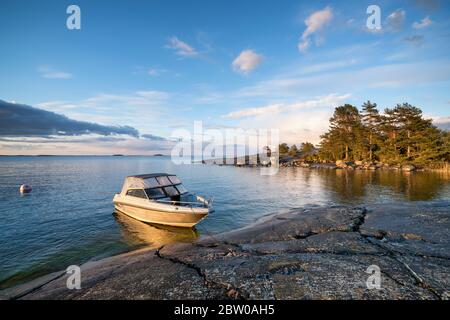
(308,253)
(350,165)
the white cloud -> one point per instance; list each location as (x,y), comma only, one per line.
(402,75)
(294,127)
(56,106)
(89,145)
(141,109)
(314,23)
(153,95)
(297,122)
(270,109)
(50,73)
(395,20)
(331,100)
(326,66)
(425,22)
(181,48)
(442,122)
(247,61)
(151,71)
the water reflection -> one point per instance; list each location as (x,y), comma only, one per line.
(348,186)
(135,233)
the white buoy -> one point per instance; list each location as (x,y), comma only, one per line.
(25,188)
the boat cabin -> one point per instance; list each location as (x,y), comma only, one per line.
(161,187)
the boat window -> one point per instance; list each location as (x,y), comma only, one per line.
(155,193)
(171,191)
(151,183)
(181,189)
(174,179)
(138,193)
(163,181)
(188,198)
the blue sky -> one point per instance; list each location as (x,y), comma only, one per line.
(160,65)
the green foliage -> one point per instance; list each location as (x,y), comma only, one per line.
(308,151)
(283,148)
(307,148)
(400,135)
(341,141)
(293,150)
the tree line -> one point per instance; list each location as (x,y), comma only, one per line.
(400,135)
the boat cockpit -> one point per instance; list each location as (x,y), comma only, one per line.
(162,188)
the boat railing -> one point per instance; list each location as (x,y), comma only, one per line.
(188,203)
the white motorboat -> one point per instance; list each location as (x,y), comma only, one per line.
(161,198)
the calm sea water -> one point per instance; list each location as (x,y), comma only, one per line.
(68,218)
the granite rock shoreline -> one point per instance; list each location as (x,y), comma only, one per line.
(306,253)
(356,165)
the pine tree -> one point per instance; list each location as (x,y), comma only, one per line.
(283,148)
(400,135)
(371,123)
(307,150)
(293,150)
(389,129)
(346,124)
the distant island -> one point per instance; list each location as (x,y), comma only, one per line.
(158,155)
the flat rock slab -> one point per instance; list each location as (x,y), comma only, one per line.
(315,253)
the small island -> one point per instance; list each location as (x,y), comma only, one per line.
(399,139)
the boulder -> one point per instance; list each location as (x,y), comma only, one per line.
(408,167)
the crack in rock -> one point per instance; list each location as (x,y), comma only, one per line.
(418,280)
(230,291)
(37,288)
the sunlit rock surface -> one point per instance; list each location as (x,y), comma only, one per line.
(315,253)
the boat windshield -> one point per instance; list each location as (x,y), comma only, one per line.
(155,193)
(188,197)
(163,181)
(181,189)
(167,187)
(174,179)
(171,191)
(152,182)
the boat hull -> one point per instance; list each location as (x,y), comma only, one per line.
(170,218)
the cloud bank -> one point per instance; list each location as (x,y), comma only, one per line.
(331,100)
(25,121)
(442,122)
